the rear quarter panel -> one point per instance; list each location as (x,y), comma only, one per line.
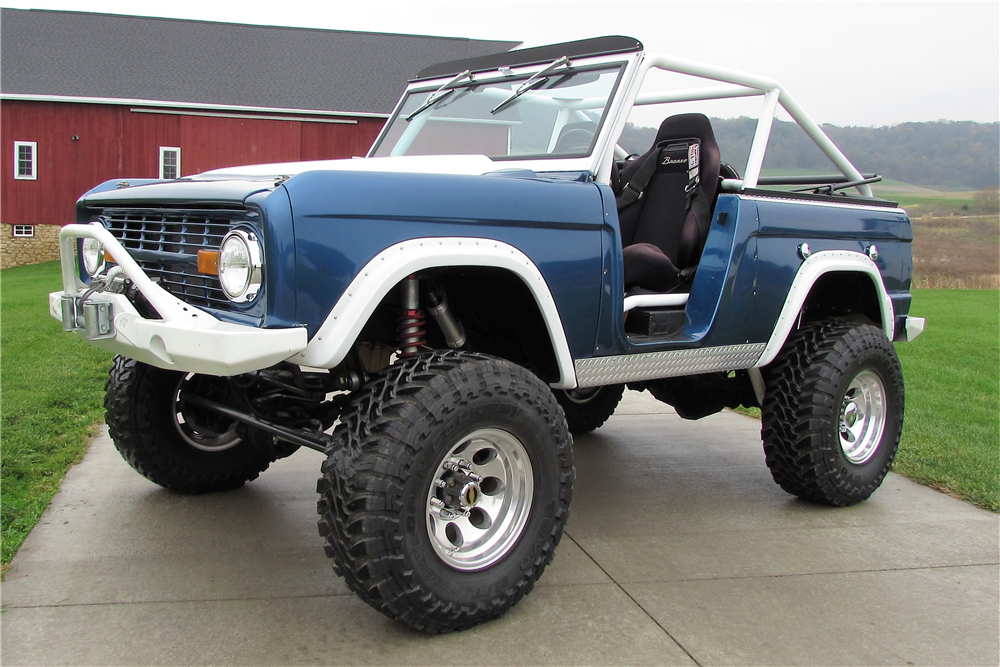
(787,223)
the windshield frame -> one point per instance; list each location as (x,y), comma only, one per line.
(576,162)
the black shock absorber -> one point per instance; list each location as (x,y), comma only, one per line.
(411,328)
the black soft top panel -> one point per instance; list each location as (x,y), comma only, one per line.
(597,46)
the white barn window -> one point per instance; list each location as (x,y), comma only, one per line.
(25,160)
(170,162)
(24,230)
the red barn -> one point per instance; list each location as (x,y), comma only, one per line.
(91,97)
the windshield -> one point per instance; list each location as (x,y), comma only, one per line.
(559,116)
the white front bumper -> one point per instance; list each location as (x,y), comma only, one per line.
(186,339)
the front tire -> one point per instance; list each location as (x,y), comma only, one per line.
(182,449)
(447,489)
(587,409)
(833,412)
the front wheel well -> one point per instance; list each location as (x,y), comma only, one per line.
(497,310)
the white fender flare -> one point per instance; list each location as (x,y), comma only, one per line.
(343,325)
(818,264)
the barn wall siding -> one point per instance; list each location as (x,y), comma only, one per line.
(115,142)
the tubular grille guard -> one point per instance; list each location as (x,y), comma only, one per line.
(167,242)
(597,371)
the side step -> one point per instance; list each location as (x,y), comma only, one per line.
(654,321)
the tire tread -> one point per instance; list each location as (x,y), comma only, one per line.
(362,482)
(802,390)
(129,404)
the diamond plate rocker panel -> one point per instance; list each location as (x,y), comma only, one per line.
(598,371)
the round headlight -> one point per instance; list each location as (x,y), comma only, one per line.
(240,265)
(93,256)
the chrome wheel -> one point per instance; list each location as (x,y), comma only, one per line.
(479,500)
(862,417)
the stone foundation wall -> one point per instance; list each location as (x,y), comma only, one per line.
(42,247)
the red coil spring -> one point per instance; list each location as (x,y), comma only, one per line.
(412,332)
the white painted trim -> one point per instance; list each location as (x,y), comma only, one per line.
(614,124)
(654,301)
(343,325)
(818,264)
(469,165)
(243,116)
(757,382)
(822,204)
(125,101)
(164,149)
(34,160)
(914,326)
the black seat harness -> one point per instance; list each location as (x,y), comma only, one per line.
(635,189)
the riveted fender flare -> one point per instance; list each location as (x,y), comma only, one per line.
(818,264)
(343,325)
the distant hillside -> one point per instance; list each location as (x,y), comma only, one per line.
(944,154)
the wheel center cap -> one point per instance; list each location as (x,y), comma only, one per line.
(471,495)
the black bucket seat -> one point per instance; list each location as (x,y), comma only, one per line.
(665,205)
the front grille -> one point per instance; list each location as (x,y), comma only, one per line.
(172,231)
(187,284)
(165,243)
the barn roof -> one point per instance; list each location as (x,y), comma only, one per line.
(84,55)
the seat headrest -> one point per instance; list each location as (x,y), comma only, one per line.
(687,125)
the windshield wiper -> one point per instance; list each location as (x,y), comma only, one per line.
(537,79)
(438,95)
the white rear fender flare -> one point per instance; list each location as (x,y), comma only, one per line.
(356,305)
(817,265)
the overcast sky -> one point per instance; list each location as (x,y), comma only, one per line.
(847,63)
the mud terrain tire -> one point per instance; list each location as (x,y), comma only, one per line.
(142,415)
(833,412)
(587,409)
(390,464)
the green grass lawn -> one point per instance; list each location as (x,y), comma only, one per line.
(951,432)
(51,393)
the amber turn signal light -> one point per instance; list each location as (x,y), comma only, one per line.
(208,262)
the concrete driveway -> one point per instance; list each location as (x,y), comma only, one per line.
(680,551)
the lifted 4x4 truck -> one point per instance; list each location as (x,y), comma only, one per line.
(488,280)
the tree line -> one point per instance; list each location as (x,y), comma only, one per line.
(953,155)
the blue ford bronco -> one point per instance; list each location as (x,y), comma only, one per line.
(438,317)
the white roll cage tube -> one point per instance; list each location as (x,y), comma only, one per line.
(741,84)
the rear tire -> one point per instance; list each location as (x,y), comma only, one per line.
(587,409)
(190,451)
(833,412)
